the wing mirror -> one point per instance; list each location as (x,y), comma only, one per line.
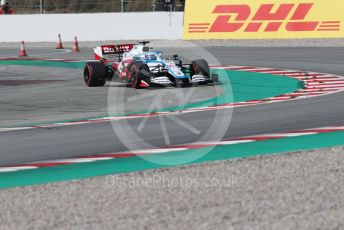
(145,49)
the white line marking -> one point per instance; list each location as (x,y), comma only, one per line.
(226,142)
(281,135)
(149,151)
(15,129)
(328,128)
(13,169)
(72,160)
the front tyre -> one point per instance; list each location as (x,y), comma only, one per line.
(200,67)
(139,72)
(95,74)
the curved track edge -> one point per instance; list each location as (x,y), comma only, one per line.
(315,84)
(115,163)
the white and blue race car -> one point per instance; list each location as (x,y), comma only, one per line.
(140,67)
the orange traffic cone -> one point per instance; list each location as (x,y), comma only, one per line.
(59,43)
(22,51)
(76,45)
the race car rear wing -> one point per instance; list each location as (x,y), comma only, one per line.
(111,52)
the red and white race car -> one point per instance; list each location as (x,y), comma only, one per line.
(140,67)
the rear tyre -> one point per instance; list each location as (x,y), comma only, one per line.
(95,74)
(139,72)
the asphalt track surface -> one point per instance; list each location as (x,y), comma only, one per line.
(63,142)
(302,190)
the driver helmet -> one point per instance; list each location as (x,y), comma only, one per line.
(3,2)
(150,56)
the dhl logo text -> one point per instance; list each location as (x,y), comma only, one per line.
(268,18)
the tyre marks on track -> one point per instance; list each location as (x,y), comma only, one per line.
(315,84)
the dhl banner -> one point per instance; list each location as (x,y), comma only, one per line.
(258,19)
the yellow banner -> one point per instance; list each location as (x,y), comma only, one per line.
(258,19)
